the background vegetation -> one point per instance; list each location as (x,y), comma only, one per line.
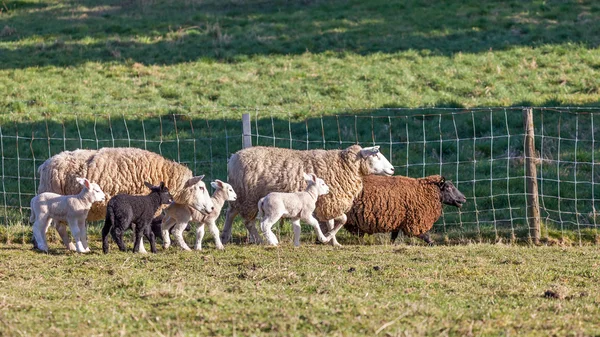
(175,76)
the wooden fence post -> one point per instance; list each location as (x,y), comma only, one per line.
(246,131)
(531,160)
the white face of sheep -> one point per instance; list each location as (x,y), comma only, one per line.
(97,194)
(201,200)
(229,192)
(322,188)
(377,162)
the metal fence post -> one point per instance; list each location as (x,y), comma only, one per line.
(531,160)
(246,131)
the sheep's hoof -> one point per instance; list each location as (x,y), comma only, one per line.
(72,247)
(221,247)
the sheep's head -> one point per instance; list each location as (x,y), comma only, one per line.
(93,188)
(376,162)
(229,192)
(312,179)
(195,195)
(449,194)
(162,190)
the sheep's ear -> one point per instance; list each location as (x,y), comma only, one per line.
(147,184)
(369,151)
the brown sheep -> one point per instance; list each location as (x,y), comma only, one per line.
(391,204)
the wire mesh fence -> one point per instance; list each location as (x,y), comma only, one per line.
(481,150)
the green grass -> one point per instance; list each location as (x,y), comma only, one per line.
(311,290)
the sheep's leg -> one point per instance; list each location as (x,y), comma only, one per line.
(229,217)
(340,223)
(76,232)
(330,225)
(425,237)
(138,246)
(40,226)
(214,230)
(253,236)
(167,223)
(117,235)
(315,224)
(178,233)
(297,231)
(61,228)
(265,226)
(199,236)
(395,235)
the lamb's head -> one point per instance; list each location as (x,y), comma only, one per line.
(312,179)
(162,190)
(375,162)
(93,189)
(195,194)
(449,194)
(229,192)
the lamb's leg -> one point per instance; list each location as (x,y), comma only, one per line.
(76,232)
(214,230)
(425,237)
(265,226)
(330,225)
(152,238)
(199,236)
(167,223)
(297,231)
(253,236)
(117,234)
(40,226)
(229,217)
(83,234)
(315,224)
(178,233)
(61,228)
(138,246)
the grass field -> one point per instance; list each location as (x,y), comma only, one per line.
(358,290)
(175,77)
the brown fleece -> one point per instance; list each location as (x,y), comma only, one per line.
(387,204)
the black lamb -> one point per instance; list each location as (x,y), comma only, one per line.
(123,210)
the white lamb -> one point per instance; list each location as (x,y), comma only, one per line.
(73,209)
(178,215)
(296,206)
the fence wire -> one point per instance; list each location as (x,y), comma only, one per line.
(481,150)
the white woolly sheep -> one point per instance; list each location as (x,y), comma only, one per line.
(115,170)
(296,206)
(254,172)
(178,215)
(73,209)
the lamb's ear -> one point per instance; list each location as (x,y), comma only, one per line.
(219,182)
(313,177)
(147,184)
(307,177)
(162,185)
(369,151)
(83,182)
(214,184)
(201,177)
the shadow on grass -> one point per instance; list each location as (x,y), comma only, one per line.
(169,32)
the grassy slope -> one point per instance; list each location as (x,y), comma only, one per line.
(298,57)
(246,290)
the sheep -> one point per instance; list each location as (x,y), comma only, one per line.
(73,209)
(115,170)
(178,215)
(254,172)
(123,210)
(391,204)
(296,206)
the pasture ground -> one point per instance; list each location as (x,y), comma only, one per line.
(357,290)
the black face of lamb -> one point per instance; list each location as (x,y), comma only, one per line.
(450,195)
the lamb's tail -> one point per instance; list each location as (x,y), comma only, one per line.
(108,223)
(260,214)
